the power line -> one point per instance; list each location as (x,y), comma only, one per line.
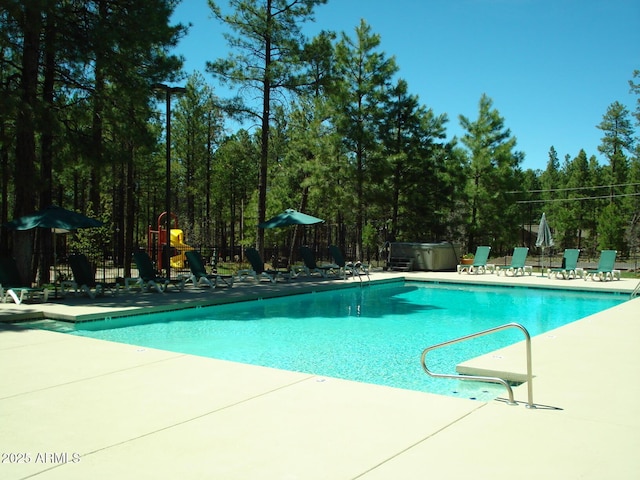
(580,198)
(574,188)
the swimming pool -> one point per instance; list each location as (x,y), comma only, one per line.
(372,334)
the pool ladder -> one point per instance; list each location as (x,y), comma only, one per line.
(478,378)
(636,291)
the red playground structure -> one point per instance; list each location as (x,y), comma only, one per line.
(157,243)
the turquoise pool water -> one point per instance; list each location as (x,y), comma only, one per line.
(372,334)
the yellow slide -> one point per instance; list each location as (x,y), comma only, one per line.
(177,242)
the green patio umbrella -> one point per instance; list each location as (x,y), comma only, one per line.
(290,217)
(58,219)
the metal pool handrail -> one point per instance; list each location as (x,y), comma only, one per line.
(477,378)
(636,291)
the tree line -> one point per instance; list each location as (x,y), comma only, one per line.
(335,133)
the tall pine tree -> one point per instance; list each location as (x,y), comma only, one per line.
(265,55)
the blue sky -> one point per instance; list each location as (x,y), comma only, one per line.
(551,67)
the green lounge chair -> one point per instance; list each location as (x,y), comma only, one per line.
(12,286)
(606,265)
(257,270)
(517,266)
(347,268)
(199,275)
(84,278)
(148,278)
(569,265)
(479,264)
(310,266)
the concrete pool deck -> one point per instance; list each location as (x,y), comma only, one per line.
(77,408)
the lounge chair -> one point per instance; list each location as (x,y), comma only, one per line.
(517,266)
(257,270)
(12,286)
(199,275)
(310,266)
(479,264)
(569,265)
(605,270)
(84,278)
(347,268)
(149,278)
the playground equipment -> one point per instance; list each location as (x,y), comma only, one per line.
(157,243)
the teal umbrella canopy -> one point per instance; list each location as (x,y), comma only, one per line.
(544,238)
(290,217)
(56,218)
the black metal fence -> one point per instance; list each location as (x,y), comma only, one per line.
(110,265)
(109,269)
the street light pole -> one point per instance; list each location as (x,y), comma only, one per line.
(168,91)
